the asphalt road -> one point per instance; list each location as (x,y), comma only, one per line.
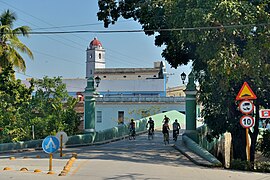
(121,160)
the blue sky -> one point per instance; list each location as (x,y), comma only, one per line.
(64,54)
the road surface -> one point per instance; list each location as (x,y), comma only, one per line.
(140,159)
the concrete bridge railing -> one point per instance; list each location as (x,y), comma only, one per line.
(78,140)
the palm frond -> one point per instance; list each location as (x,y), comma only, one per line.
(7,18)
(17,60)
(17,44)
(24,30)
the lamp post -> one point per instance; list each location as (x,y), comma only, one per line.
(191,108)
(90,105)
(183,77)
(97,80)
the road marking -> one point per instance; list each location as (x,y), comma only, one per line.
(79,166)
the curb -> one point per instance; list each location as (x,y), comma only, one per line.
(198,150)
(196,153)
(191,159)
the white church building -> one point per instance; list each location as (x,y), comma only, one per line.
(123,93)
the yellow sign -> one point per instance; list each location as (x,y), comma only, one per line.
(245,93)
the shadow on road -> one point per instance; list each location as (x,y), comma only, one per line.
(140,150)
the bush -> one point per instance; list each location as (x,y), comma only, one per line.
(262,166)
(265,144)
(241,165)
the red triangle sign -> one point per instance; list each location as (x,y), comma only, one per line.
(245,93)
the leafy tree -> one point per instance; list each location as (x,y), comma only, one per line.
(228,42)
(10,43)
(265,145)
(52,108)
(14,97)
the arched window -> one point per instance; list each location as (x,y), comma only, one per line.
(99,55)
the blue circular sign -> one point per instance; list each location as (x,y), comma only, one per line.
(50,144)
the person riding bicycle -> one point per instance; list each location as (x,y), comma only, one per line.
(132,127)
(166,119)
(165,131)
(151,126)
(176,128)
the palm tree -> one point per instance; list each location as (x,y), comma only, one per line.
(10,45)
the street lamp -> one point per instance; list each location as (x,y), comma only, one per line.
(183,77)
(97,80)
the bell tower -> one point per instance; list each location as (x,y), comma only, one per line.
(95,57)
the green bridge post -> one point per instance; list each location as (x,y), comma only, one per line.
(89,106)
(191,108)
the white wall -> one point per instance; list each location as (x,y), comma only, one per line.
(131,85)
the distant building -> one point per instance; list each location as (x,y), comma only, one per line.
(119,81)
(176,91)
(124,93)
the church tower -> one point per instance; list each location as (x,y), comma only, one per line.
(95,57)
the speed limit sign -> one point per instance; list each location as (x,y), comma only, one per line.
(246,121)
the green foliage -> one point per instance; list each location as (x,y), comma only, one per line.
(10,43)
(241,165)
(14,97)
(262,166)
(52,108)
(265,144)
(228,42)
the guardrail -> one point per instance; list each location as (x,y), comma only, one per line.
(140,99)
(80,140)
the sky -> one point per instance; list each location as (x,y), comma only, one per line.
(65,54)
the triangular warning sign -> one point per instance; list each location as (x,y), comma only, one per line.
(245,93)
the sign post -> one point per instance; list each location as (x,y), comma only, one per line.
(50,162)
(62,136)
(246,107)
(49,145)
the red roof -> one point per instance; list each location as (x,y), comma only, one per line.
(95,42)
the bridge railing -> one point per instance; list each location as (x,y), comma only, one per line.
(110,134)
(104,136)
(140,99)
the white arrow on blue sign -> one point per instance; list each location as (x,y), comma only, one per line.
(50,144)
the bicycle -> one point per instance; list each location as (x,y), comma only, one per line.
(132,134)
(175,134)
(166,138)
(150,134)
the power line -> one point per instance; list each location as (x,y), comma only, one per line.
(78,25)
(59,27)
(150,30)
(60,58)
